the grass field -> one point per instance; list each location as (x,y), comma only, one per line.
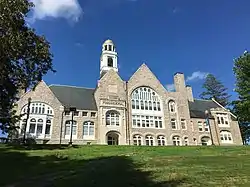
(124,166)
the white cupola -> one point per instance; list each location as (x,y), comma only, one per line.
(108,57)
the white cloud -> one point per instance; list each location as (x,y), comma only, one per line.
(68,9)
(170,87)
(197,75)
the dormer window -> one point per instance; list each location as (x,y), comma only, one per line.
(110,62)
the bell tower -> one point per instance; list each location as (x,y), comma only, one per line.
(108,59)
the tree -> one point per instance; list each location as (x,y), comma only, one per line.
(241,106)
(24,57)
(215,89)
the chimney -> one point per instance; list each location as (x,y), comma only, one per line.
(189,93)
(179,82)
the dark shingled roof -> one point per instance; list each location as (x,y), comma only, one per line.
(81,98)
(198,108)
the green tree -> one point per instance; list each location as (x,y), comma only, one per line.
(241,106)
(215,89)
(24,57)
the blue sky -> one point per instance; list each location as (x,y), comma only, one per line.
(194,37)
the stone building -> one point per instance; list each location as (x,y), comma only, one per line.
(139,111)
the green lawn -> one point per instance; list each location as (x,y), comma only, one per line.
(124,166)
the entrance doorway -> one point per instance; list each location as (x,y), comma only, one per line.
(112,138)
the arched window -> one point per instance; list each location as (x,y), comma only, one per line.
(110,62)
(176,140)
(226,137)
(185,139)
(146,96)
(48,127)
(137,139)
(173,124)
(68,127)
(32,124)
(171,106)
(112,118)
(38,108)
(205,140)
(39,128)
(146,108)
(88,128)
(40,119)
(149,140)
(161,140)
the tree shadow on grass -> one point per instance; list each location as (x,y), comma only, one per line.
(39,146)
(18,169)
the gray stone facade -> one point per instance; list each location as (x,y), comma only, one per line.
(107,115)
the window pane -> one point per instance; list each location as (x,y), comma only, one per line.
(85,130)
(74,130)
(32,128)
(91,130)
(67,130)
(47,129)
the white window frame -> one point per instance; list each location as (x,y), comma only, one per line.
(68,124)
(137,140)
(145,121)
(183,121)
(221,119)
(112,118)
(90,125)
(149,140)
(225,136)
(161,140)
(176,140)
(175,121)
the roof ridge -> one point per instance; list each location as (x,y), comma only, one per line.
(70,86)
(203,99)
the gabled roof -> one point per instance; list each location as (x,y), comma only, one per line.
(198,107)
(79,97)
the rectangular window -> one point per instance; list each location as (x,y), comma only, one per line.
(147,123)
(47,129)
(85,130)
(39,129)
(74,130)
(32,128)
(206,127)
(156,124)
(142,105)
(134,122)
(76,113)
(133,104)
(84,114)
(183,124)
(146,105)
(160,124)
(143,123)
(200,126)
(93,114)
(173,124)
(67,130)
(222,119)
(137,104)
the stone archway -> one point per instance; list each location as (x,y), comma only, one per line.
(112,138)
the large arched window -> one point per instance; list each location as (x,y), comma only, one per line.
(137,139)
(88,128)
(68,128)
(149,140)
(112,118)
(40,120)
(226,137)
(145,98)
(38,108)
(176,140)
(161,140)
(146,108)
